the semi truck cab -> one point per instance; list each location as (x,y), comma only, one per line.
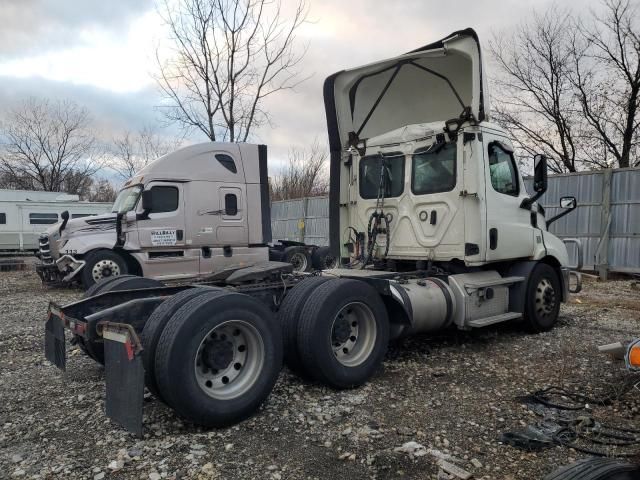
(192,212)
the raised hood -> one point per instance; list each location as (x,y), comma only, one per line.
(434,83)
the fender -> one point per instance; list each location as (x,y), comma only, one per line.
(83,244)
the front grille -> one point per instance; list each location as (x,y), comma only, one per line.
(45,249)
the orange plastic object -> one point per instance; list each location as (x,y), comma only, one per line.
(634,356)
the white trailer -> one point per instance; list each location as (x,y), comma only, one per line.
(25,214)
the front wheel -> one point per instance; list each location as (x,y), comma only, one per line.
(542,301)
(102,264)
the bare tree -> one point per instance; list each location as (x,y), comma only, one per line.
(103,191)
(227,56)
(607,79)
(304,175)
(133,151)
(48,146)
(537,104)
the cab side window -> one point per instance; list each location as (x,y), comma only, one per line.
(230,204)
(502,169)
(165,198)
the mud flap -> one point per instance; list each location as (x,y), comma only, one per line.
(124,375)
(54,341)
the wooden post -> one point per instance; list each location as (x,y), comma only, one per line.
(605,225)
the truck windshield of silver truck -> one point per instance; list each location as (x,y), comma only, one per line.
(127,199)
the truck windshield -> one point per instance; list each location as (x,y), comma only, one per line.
(127,199)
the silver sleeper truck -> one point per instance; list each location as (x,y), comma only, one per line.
(428,216)
(190,213)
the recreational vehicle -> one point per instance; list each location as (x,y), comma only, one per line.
(25,214)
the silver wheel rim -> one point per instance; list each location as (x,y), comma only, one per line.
(229,360)
(545,298)
(105,269)
(299,262)
(353,334)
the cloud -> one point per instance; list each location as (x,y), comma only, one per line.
(111,112)
(30,27)
(341,34)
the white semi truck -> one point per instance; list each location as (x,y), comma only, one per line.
(428,214)
(188,214)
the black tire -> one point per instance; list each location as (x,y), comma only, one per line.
(95,348)
(323,259)
(354,304)
(177,354)
(114,266)
(596,468)
(542,300)
(299,258)
(153,330)
(289,316)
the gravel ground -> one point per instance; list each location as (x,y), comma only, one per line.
(454,392)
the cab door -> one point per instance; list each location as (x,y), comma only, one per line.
(509,231)
(161,235)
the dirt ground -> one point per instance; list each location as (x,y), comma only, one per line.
(454,392)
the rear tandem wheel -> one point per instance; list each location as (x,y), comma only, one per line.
(218,358)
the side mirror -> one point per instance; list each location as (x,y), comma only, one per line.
(568,202)
(540,174)
(147,205)
(539,180)
(147,201)
(65,218)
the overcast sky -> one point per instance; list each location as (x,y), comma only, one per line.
(100,53)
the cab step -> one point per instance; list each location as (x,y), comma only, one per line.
(503,317)
(497,282)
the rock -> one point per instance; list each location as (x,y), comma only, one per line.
(476,463)
(16,458)
(347,456)
(154,476)
(98,476)
(115,465)
(413,449)
(134,452)
(18,473)
(271,468)
(228,447)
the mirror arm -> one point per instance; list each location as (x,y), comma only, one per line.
(559,216)
(526,203)
(144,215)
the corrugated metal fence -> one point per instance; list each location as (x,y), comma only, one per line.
(304,220)
(607,219)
